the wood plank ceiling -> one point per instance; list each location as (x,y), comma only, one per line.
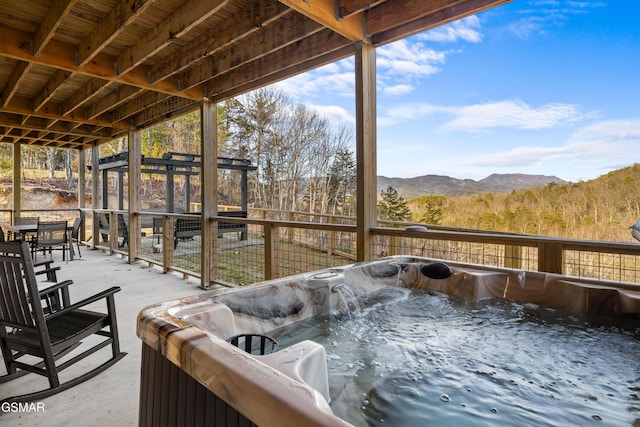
(78,72)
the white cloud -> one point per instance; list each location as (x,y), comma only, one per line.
(399,89)
(408,59)
(511,114)
(333,113)
(600,145)
(466,29)
(475,118)
(549,13)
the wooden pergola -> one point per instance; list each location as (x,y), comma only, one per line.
(79,73)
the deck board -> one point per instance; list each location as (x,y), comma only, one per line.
(111,398)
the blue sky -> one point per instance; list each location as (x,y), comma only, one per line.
(545,87)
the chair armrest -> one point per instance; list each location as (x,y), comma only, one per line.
(48,272)
(46,262)
(104,294)
(56,287)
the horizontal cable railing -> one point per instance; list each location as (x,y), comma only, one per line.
(261,247)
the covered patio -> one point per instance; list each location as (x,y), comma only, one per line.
(79,73)
(76,74)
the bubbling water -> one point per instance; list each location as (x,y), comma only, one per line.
(431,359)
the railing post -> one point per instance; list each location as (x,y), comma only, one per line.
(135,176)
(512,256)
(331,239)
(393,246)
(550,257)
(291,218)
(113,232)
(167,243)
(270,265)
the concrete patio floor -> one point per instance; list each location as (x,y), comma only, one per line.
(111,398)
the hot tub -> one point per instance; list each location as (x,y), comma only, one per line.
(191,375)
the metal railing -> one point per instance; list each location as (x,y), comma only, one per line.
(305,242)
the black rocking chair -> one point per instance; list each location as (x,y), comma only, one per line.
(26,330)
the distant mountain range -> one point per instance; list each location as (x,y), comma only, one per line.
(446,186)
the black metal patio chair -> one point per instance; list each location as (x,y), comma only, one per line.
(51,235)
(28,335)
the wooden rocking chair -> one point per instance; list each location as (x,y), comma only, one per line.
(25,329)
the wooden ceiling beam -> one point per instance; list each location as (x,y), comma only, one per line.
(22,106)
(286,32)
(415,18)
(17,75)
(255,78)
(62,55)
(118,97)
(45,32)
(164,110)
(55,82)
(326,44)
(190,14)
(352,7)
(219,38)
(62,128)
(327,14)
(125,12)
(146,100)
(86,93)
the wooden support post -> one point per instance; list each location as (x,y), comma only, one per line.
(512,256)
(17,172)
(270,260)
(167,243)
(82,199)
(135,178)
(366,215)
(331,238)
(209,176)
(393,246)
(550,257)
(113,232)
(95,184)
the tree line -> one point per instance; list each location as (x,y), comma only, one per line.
(304,164)
(600,209)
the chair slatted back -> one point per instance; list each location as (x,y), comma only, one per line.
(26,220)
(17,284)
(52,233)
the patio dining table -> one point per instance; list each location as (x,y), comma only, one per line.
(24,229)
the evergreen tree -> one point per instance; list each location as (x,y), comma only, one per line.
(392,206)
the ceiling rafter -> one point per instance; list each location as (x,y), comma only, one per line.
(325,44)
(57,80)
(22,106)
(111,101)
(190,14)
(110,27)
(218,39)
(415,18)
(328,14)
(85,94)
(276,37)
(58,10)
(62,55)
(17,75)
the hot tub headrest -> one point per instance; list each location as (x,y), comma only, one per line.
(436,270)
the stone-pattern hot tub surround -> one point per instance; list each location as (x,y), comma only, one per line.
(289,387)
